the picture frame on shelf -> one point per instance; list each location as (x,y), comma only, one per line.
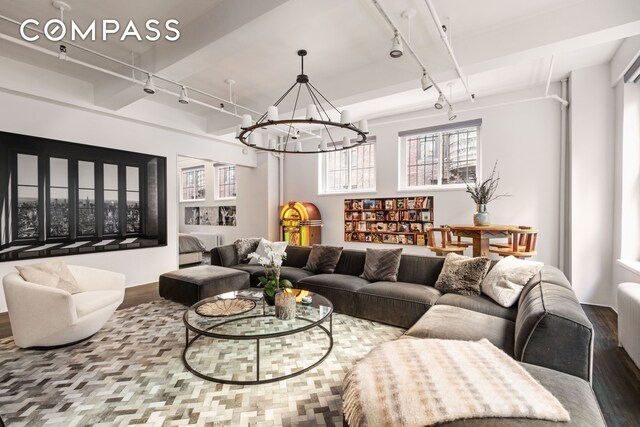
(390,204)
(425,216)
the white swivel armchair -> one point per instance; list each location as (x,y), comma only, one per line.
(43,316)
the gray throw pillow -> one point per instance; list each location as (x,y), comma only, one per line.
(244,247)
(323,259)
(381,265)
(462,275)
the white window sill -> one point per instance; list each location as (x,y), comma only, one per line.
(350,193)
(432,188)
(225,199)
(630,264)
(193,200)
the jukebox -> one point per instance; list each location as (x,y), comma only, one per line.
(300,224)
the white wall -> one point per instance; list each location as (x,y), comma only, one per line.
(31,115)
(592,114)
(523,137)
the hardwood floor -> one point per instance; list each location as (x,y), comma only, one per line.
(616,379)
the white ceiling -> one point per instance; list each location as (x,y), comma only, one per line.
(501,44)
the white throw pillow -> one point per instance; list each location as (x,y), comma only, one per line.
(57,274)
(279,247)
(507,278)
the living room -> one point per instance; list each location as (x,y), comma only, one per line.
(148,147)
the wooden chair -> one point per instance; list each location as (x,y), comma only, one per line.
(508,244)
(444,247)
(523,244)
(458,240)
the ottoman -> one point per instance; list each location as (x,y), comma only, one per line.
(190,285)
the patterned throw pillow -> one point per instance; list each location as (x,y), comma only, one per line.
(462,275)
(323,259)
(381,265)
(244,247)
(53,273)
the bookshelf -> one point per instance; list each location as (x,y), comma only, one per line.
(397,220)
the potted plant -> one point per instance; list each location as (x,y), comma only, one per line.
(482,194)
(271,282)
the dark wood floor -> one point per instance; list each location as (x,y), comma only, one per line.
(616,379)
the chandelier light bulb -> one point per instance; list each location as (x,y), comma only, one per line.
(312,112)
(272,113)
(363,125)
(345,117)
(324,146)
(246,121)
(346,142)
(298,146)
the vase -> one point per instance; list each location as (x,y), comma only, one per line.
(268,299)
(285,305)
(481,217)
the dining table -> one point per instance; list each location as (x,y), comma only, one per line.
(481,234)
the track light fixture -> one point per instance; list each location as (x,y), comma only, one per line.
(452,115)
(426,81)
(184,98)
(396,47)
(149,87)
(440,102)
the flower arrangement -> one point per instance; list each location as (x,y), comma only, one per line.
(485,192)
(272,263)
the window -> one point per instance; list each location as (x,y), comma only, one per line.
(58,197)
(110,204)
(193,183)
(440,156)
(348,171)
(28,200)
(133,199)
(86,199)
(225,182)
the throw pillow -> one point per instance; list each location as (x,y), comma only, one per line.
(462,275)
(507,278)
(244,247)
(39,277)
(381,265)
(261,250)
(56,268)
(323,259)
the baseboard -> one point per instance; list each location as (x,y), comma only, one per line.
(615,309)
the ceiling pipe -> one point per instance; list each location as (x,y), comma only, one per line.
(445,40)
(562,101)
(67,58)
(409,47)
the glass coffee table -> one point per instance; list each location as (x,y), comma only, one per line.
(259,323)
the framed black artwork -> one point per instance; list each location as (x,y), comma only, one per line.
(61,198)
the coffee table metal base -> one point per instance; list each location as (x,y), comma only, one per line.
(328,332)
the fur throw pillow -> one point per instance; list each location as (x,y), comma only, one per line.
(507,278)
(244,247)
(462,275)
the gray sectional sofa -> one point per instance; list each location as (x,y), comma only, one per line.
(547,327)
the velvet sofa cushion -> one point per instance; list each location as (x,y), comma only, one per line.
(323,259)
(395,303)
(382,265)
(297,256)
(455,323)
(480,304)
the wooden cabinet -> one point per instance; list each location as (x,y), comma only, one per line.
(398,220)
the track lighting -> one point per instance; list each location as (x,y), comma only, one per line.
(149,87)
(452,115)
(396,47)
(184,98)
(295,134)
(426,81)
(440,102)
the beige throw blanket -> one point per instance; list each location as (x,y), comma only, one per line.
(420,382)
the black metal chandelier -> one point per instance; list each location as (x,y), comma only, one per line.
(316,115)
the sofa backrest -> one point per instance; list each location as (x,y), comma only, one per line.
(420,269)
(552,330)
(351,262)
(297,256)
